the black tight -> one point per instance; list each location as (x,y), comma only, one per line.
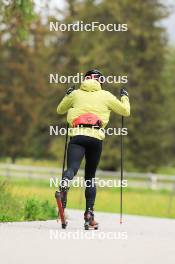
(80,146)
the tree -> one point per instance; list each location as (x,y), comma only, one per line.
(17,17)
(139,53)
(169,106)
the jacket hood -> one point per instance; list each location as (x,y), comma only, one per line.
(90,85)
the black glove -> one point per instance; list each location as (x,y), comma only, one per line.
(123,92)
(70,89)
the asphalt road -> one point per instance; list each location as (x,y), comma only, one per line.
(139,240)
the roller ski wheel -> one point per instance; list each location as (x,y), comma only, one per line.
(87,226)
(64,225)
(90,223)
(61,213)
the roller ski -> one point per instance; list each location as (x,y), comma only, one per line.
(61,203)
(90,223)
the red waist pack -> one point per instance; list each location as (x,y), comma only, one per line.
(87,119)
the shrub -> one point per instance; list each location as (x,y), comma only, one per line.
(38,210)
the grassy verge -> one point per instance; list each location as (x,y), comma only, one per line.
(34,199)
(17,207)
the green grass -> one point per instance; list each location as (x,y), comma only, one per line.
(15,206)
(32,162)
(166,170)
(136,201)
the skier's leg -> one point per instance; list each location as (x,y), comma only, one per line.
(92,156)
(75,155)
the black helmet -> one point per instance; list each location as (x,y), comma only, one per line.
(95,74)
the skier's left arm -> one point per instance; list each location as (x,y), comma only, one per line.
(66,103)
(121,107)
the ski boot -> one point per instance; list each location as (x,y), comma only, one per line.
(90,223)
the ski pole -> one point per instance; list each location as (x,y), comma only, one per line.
(65,148)
(121,171)
(58,194)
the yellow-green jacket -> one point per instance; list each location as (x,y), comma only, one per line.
(90,98)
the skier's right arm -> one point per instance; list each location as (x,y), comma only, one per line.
(65,104)
(119,107)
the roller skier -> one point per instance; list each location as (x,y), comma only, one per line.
(88,110)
